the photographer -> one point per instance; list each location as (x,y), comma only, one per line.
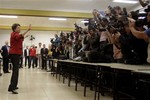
(94,38)
(56,42)
(141,34)
(144,3)
(134,47)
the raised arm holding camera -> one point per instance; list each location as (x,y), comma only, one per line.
(141,34)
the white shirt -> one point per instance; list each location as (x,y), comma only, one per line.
(103,36)
(7,48)
(27,52)
(38,50)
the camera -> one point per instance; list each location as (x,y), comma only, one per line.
(52,40)
(140,18)
(32,38)
(113,21)
(78,28)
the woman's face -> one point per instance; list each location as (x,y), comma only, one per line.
(91,32)
(17,29)
(130,15)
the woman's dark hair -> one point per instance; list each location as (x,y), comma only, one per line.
(134,14)
(105,20)
(14,26)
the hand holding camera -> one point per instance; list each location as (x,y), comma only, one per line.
(131,22)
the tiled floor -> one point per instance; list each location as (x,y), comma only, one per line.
(35,84)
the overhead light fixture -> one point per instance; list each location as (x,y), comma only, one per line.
(8,16)
(59,19)
(126,1)
(84,21)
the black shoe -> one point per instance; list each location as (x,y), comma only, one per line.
(6,72)
(13,91)
(48,70)
(16,88)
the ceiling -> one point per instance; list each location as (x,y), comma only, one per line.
(41,21)
(84,6)
(61,5)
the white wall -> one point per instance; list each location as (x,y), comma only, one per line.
(40,36)
(4,35)
(136,8)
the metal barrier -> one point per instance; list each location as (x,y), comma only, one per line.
(124,82)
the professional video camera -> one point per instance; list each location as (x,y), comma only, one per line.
(139,18)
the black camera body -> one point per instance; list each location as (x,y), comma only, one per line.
(32,38)
(52,40)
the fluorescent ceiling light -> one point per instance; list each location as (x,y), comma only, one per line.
(126,1)
(59,19)
(84,21)
(7,16)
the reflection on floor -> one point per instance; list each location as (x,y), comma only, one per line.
(35,84)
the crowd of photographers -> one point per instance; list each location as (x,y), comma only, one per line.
(117,36)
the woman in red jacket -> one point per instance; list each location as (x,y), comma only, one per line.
(16,40)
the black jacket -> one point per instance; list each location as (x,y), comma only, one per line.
(5,52)
(44,53)
(25,52)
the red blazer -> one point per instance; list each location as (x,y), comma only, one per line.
(16,41)
(33,52)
